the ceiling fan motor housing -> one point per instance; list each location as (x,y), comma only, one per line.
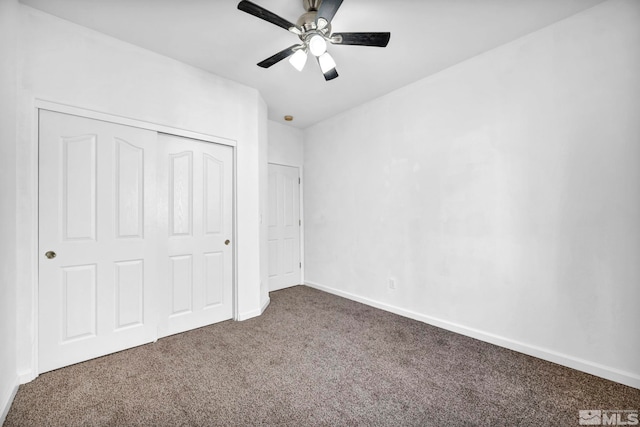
(307,24)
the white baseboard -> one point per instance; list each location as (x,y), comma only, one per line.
(279,288)
(626,378)
(6,399)
(255,313)
(265,305)
(26,377)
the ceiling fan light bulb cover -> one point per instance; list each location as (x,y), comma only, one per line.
(317,45)
(298,59)
(326,62)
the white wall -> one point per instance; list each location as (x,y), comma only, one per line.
(69,64)
(503,195)
(264,206)
(8,87)
(285,145)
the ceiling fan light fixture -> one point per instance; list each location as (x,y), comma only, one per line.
(317,45)
(298,59)
(326,62)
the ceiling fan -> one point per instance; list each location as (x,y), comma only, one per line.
(314,30)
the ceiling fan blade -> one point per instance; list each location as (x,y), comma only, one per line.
(331,74)
(361,39)
(328,9)
(262,13)
(278,57)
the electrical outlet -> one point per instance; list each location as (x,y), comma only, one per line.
(392,283)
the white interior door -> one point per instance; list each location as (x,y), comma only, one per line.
(196,268)
(284,227)
(97,223)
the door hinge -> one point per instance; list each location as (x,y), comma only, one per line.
(299,222)
(298,180)
(300,265)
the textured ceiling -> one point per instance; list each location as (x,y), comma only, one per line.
(427,36)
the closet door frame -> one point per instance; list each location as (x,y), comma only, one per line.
(33,244)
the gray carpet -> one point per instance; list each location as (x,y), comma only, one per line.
(316,359)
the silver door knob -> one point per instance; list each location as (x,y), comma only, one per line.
(50,254)
(226,242)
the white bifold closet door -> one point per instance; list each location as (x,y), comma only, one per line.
(97,215)
(132,227)
(196,263)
